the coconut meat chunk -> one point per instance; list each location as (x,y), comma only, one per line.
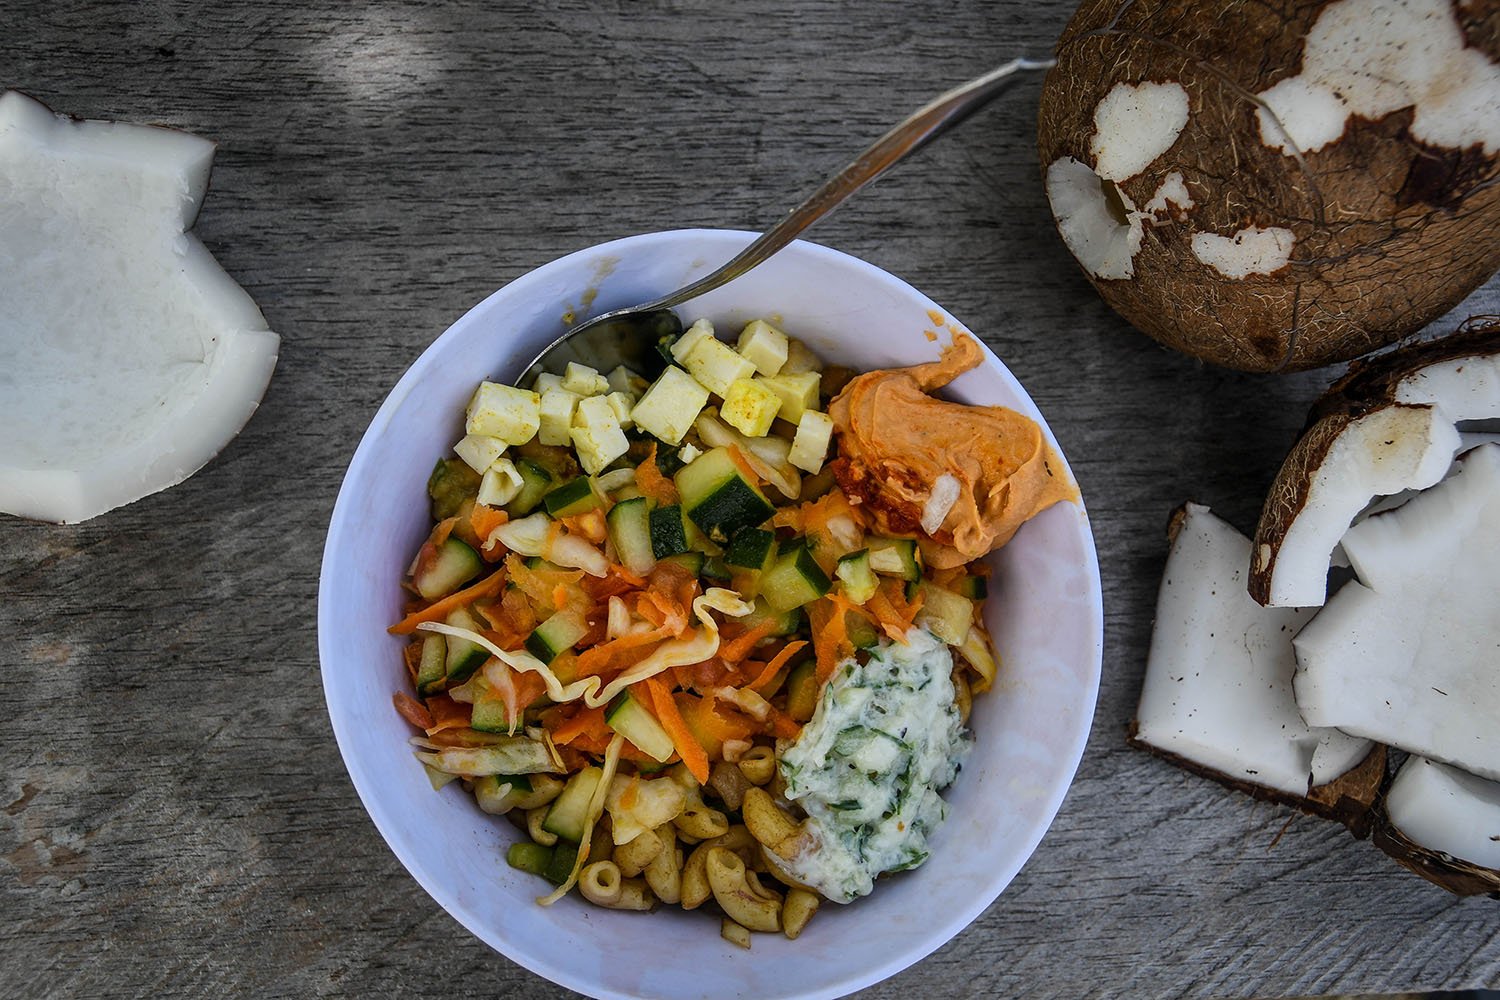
(131,357)
(1218,688)
(1406,654)
(1395,448)
(1443,809)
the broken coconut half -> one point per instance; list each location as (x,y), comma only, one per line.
(131,358)
(1279,185)
(1391,424)
(1218,697)
(1444,825)
(1406,654)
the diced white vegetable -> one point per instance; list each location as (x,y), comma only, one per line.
(546,381)
(557,409)
(510,414)
(691,337)
(527,536)
(584,380)
(797,392)
(478,451)
(500,484)
(764,346)
(715,365)
(750,407)
(670,406)
(688,452)
(624,380)
(596,434)
(574,552)
(810,446)
(799,359)
(622,404)
(636,805)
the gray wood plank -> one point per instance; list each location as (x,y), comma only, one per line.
(174,817)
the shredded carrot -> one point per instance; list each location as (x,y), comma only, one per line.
(783,725)
(744,465)
(589,524)
(412,710)
(587,722)
(611,655)
(652,483)
(442,530)
(776,662)
(484,520)
(412,655)
(830,636)
(739,647)
(447,714)
(440,608)
(688,748)
(560,596)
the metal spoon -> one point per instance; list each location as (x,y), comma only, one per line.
(630,336)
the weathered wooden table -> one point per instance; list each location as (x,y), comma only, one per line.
(174,816)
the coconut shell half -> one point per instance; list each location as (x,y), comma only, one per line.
(1202,221)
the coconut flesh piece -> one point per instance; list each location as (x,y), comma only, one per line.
(1406,654)
(1443,809)
(131,357)
(1218,691)
(1389,426)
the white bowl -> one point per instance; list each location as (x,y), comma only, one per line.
(1045,612)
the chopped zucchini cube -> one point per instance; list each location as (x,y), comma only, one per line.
(535,482)
(896,557)
(584,380)
(478,451)
(794,580)
(574,497)
(810,446)
(700,331)
(764,346)
(751,548)
(670,406)
(716,365)
(719,498)
(501,482)
(858,578)
(557,409)
(667,536)
(453,564)
(503,411)
(629,525)
(631,720)
(749,407)
(945,614)
(797,392)
(596,434)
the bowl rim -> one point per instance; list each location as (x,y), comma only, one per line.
(940,932)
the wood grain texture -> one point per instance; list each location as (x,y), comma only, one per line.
(174,816)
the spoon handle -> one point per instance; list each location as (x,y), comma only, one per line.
(926,124)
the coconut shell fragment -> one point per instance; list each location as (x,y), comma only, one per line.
(1276,186)
(1388,425)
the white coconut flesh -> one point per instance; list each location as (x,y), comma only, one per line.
(1133,126)
(1406,654)
(1443,809)
(131,358)
(1369,58)
(1407,446)
(1218,689)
